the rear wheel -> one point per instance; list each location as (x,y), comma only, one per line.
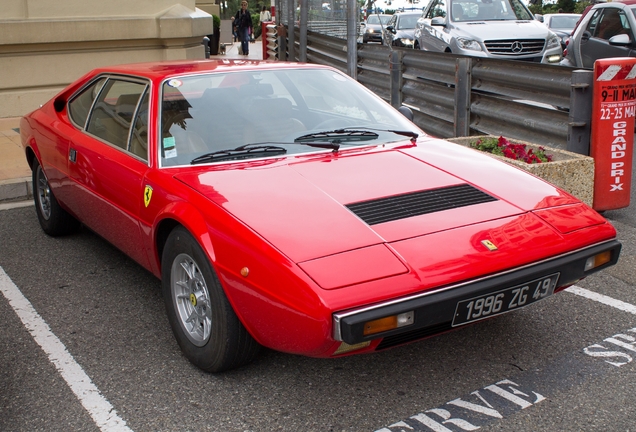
(54,220)
(202,319)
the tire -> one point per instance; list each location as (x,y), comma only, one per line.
(206,328)
(54,220)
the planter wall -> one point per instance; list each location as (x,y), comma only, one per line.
(572,172)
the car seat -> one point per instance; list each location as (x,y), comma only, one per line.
(610,25)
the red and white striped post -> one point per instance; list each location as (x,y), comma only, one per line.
(612,143)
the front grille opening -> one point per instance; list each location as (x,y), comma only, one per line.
(418,203)
(513,47)
(403,338)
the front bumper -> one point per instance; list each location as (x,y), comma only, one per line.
(434,310)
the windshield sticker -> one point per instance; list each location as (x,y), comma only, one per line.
(169,148)
(175,83)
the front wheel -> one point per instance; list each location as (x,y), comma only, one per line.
(54,220)
(202,319)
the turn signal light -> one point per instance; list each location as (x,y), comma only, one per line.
(598,260)
(388,323)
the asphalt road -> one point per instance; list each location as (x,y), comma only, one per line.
(563,364)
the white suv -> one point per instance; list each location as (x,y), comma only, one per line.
(503,29)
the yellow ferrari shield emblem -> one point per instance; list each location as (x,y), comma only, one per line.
(489,245)
(147,195)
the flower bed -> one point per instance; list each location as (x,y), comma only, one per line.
(572,172)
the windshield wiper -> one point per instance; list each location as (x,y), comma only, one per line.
(353,134)
(338,136)
(242,152)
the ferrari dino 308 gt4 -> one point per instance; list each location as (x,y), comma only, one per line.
(287,206)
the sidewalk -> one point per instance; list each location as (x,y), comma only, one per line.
(15,175)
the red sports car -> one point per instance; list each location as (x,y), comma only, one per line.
(286,206)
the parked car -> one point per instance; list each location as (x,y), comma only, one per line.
(372,27)
(606,30)
(503,29)
(562,24)
(400,29)
(287,206)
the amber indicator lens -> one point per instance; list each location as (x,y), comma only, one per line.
(388,323)
(598,260)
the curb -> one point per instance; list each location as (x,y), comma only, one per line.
(16,190)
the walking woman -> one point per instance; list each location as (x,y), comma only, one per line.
(243,23)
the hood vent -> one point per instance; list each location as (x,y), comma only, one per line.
(418,203)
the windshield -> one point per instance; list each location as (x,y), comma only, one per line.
(489,10)
(216,112)
(564,22)
(374,19)
(407,21)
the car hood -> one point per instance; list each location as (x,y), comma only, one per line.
(561,32)
(299,204)
(502,30)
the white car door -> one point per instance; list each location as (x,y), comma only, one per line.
(431,37)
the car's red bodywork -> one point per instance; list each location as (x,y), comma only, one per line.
(287,250)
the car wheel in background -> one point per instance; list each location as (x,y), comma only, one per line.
(54,220)
(202,319)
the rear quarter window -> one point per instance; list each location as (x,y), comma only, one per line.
(80,105)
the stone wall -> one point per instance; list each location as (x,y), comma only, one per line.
(45,45)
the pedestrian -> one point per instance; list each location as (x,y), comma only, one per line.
(234,33)
(265,15)
(243,23)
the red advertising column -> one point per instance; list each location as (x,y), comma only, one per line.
(612,141)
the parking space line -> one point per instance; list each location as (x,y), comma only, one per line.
(609,301)
(102,412)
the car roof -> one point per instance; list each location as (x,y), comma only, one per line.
(165,69)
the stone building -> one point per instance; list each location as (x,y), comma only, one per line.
(45,45)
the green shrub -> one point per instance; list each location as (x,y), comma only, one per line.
(256,22)
(217,22)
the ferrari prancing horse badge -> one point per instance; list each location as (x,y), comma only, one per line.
(489,245)
(147,195)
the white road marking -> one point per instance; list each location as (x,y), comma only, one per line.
(609,301)
(102,412)
(17,204)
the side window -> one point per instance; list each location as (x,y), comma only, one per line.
(114,110)
(79,106)
(593,23)
(438,9)
(139,139)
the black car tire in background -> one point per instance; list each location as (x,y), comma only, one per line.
(191,289)
(54,220)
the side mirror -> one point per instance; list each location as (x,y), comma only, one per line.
(391,29)
(406,112)
(620,40)
(438,21)
(59,104)
(538,17)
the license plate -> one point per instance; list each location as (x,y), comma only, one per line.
(497,303)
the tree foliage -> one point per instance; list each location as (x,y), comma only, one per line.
(565,6)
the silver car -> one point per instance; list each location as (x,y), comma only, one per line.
(503,29)
(606,30)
